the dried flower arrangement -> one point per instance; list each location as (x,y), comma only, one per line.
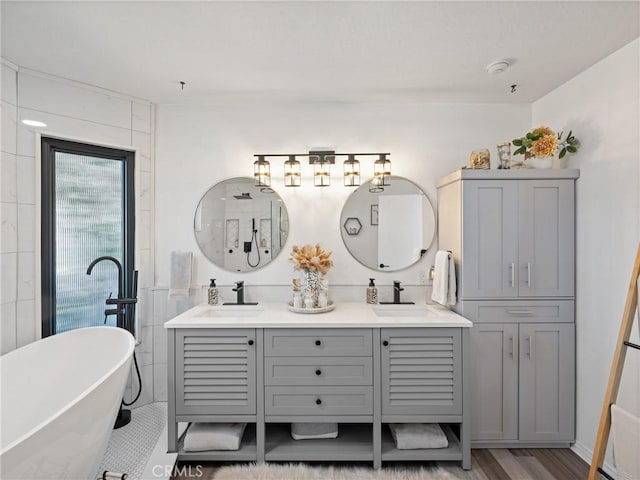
(311,259)
(542,142)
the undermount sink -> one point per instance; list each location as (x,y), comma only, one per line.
(393,310)
(235,311)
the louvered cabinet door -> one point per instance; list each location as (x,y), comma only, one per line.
(421,371)
(215,371)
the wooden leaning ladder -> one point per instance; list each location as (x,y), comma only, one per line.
(616,373)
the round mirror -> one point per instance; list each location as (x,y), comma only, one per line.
(241,227)
(389,227)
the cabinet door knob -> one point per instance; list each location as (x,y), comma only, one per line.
(318,401)
(385,343)
(318,343)
(250,342)
(318,372)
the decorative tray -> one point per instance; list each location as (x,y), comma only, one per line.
(326,309)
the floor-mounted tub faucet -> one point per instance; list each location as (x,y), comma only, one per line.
(124,315)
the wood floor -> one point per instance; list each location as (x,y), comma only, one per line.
(495,464)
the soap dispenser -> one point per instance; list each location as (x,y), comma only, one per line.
(213,293)
(372,292)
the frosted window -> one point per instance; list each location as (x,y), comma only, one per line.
(89,220)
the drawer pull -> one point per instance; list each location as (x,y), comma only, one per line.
(318,343)
(512,269)
(318,401)
(250,342)
(528,274)
(513,346)
(519,312)
(385,343)
(318,372)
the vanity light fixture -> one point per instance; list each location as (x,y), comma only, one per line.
(292,172)
(351,171)
(262,172)
(321,161)
(382,170)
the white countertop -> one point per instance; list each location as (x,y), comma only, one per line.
(344,315)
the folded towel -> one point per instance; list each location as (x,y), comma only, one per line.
(307,431)
(180,280)
(626,443)
(201,437)
(444,280)
(410,436)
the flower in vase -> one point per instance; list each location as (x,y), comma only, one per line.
(311,258)
(542,142)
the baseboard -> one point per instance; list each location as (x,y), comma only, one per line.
(586,454)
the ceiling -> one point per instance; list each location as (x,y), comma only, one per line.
(333,51)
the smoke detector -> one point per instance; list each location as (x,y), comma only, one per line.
(498,66)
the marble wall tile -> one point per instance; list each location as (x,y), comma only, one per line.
(26,276)
(26,179)
(160,382)
(9,268)
(143,228)
(9,212)
(141,116)
(159,306)
(25,322)
(9,174)
(9,118)
(9,85)
(72,101)
(159,344)
(26,228)
(7,327)
(144,193)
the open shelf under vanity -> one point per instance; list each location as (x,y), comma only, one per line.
(451,453)
(354,443)
(246,453)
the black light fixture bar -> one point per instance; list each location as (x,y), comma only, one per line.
(321,161)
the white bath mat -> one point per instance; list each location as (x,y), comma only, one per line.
(306,472)
(130,447)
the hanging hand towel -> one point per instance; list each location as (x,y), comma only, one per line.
(444,280)
(626,443)
(180,280)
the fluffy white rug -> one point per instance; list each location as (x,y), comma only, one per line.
(305,472)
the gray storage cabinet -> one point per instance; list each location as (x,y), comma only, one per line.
(361,378)
(215,371)
(512,236)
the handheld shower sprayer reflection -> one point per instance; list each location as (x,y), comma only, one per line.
(254,239)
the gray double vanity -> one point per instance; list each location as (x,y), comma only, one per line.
(507,382)
(361,366)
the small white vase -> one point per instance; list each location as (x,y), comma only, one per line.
(560,163)
(537,162)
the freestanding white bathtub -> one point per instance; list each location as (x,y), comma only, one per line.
(59,399)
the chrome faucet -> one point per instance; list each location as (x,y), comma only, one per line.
(124,314)
(239,295)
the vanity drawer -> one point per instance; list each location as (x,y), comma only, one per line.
(529,311)
(318,401)
(316,342)
(318,371)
